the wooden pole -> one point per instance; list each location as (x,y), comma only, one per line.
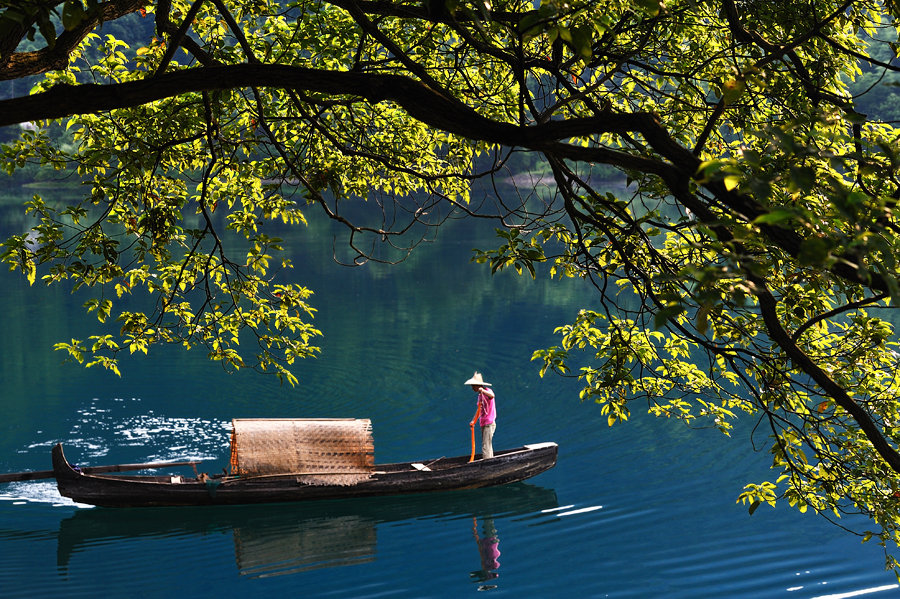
(472,426)
(39,474)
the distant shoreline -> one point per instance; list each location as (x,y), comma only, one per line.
(532,179)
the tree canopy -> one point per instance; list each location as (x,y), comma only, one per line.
(708,166)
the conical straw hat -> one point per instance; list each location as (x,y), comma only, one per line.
(477,380)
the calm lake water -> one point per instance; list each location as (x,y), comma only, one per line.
(642,510)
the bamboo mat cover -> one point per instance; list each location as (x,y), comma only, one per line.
(321,451)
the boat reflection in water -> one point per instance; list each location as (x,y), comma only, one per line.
(271,540)
(308,544)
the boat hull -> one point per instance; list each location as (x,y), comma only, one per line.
(443,474)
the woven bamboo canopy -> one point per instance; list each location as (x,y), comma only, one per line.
(320,451)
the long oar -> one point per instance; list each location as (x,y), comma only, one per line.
(39,474)
(472,426)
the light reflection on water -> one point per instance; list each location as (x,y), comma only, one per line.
(859,593)
(102,423)
(20,493)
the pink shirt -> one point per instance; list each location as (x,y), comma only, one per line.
(488,408)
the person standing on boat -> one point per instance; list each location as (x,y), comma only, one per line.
(485,413)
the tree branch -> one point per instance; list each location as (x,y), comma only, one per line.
(23,64)
(768,309)
(437,110)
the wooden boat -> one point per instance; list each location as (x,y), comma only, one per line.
(441,474)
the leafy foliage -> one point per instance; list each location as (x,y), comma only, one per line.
(744,258)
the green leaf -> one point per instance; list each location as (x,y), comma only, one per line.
(536,21)
(651,8)
(663,315)
(702,318)
(732,90)
(73,14)
(814,250)
(775,217)
(731,182)
(48,31)
(803,178)
(30,271)
(582,40)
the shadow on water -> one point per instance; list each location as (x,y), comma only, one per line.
(272,540)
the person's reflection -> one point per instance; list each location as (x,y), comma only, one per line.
(489,550)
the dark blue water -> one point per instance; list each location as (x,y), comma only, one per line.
(642,510)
